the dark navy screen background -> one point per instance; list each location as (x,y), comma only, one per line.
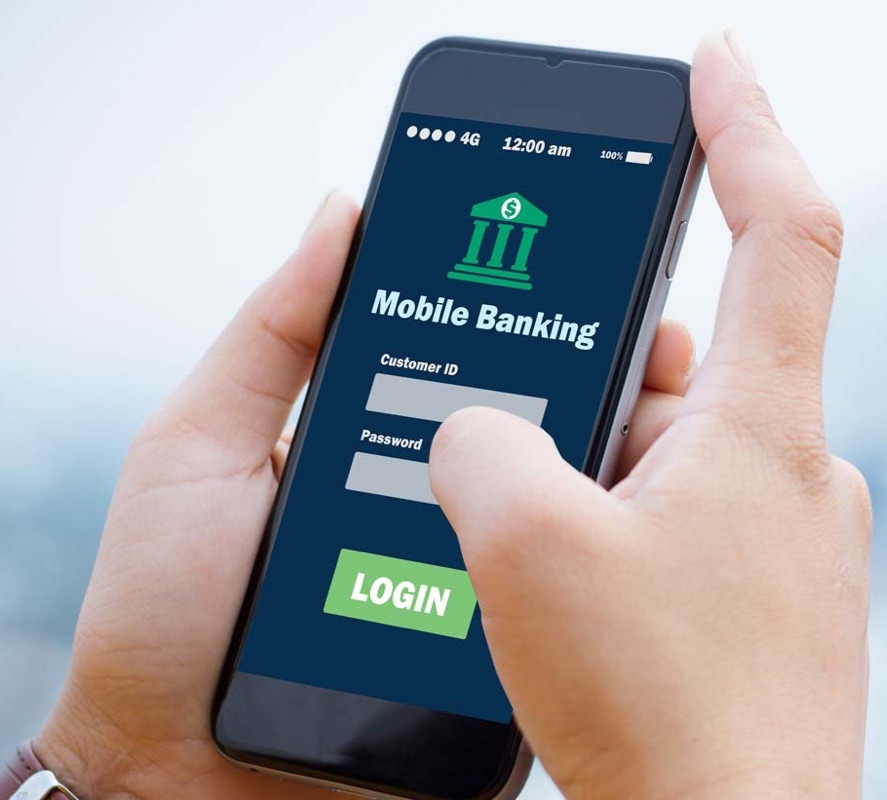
(583,264)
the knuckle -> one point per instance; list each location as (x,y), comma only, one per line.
(852,533)
(757,102)
(791,434)
(815,226)
(853,484)
(516,533)
(750,117)
(788,438)
(805,458)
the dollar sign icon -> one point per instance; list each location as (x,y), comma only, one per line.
(510,208)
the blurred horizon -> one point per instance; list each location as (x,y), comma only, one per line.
(158,161)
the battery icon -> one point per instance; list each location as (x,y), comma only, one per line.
(634,157)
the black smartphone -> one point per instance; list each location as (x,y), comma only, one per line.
(515,250)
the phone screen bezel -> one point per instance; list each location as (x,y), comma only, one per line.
(556,89)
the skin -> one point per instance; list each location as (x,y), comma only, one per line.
(697,632)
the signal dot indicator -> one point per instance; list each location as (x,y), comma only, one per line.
(424,133)
(412,131)
(450,136)
(436,134)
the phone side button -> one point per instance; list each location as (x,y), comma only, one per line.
(676,250)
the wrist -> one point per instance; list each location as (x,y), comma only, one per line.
(85,756)
(766,776)
(769,780)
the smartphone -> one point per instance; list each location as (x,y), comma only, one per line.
(515,250)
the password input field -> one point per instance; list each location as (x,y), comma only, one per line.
(435,401)
(390,477)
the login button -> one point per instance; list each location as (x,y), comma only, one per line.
(401,593)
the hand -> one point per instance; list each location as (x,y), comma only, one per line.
(133,719)
(700,630)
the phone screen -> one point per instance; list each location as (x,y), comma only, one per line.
(496,268)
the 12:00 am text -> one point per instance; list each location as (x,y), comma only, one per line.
(518,144)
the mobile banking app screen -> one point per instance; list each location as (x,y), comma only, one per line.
(496,269)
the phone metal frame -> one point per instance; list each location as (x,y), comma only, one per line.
(636,339)
(512,787)
(634,379)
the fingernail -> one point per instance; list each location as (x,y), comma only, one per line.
(690,366)
(741,54)
(313,221)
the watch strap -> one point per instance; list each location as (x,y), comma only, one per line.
(23,766)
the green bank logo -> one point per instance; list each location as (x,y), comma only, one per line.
(508,212)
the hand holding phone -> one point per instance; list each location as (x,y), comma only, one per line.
(197,484)
(700,630)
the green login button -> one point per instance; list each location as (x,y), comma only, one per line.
(405,594)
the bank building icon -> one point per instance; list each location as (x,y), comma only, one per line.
(504,266)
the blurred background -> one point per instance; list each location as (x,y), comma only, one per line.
(158,160)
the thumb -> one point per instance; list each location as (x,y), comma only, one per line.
(533,533)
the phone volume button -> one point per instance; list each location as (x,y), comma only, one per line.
(672,263)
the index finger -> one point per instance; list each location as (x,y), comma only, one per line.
(243,389)
(777,293)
